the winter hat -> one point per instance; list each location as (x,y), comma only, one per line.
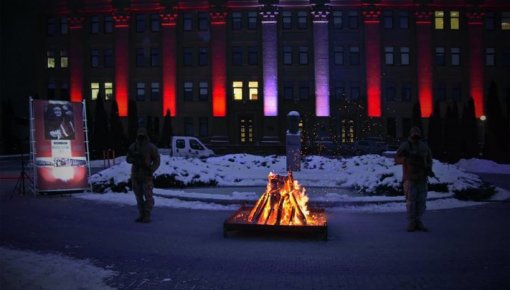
(415,131)
(141,132)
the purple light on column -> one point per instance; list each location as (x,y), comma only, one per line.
(270,63)
(321,60)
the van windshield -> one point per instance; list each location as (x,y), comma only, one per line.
(195,145)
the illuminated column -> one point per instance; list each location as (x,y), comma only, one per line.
(424,61)
(321,61)
(76,58)
(371,19)
(121,62)
(270,62)
(476,74)
(218,64)
(168,21)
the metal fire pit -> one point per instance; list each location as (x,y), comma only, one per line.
(238,222)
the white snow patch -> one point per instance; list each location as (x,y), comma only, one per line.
(483,166)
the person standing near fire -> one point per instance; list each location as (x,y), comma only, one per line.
(144,157)
(416,160)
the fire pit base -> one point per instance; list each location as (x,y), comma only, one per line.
(238,222)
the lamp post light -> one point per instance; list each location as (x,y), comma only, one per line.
(483,119)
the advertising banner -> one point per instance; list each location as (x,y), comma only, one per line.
(59,146)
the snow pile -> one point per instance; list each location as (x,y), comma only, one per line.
(483,166)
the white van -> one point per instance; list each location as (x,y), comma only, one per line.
(187,146)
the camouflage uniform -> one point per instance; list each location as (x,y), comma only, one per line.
(145,159)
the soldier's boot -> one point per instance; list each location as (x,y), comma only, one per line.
(146,217)
(140,217)
(421,227)
(411,227)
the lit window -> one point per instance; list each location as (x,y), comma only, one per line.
(108,91)
(455,54)
(404,55)
(51,58)
(454,20)
(505,21)
(253,90)
(63,59)
(388,54)
(140,91)
(188,91)
(155,92)
(347,131)
(439,20)
(337,19)
(94,91)
(203,92)
(490,54)
(246,130)
(237,87)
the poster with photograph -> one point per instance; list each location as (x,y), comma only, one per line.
(59,145)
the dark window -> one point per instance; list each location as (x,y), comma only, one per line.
(302,18)
(339,55)
(353,20)
(391,126)
(203,56)
(108,24)
(140,23)
(140,91)
(288,92)
(455,56)
(203,126)
(155,56)
(339,91)
(338,19)
(155,91)
(403,19)
(237,23)
(237,56)
(406,94)
(108,57)
(252,20)
(391,93)
(440,57)
(388,55)
(203,21)
(94,24)
(406,126)
(193,144)
(140,57)
(94,57)
(52,87)
(155,22)
(253,55)
(188,126)
(355,91)
(287,19)
(456,93)
(303,55)
(180,143)
(64,25)
(187,21)
(51,28)
(490,55)
(64,91)
(354,55)
(388,19)
(440,92)
(404,55)
(187,56)
(203,91)
(188,91)
(287,55)
(304,92)
(490,22)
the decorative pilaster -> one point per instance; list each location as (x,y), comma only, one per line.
(424,61)
(270,62)
(121,23)
(371,19)
(76,58)
(218,63)
(321,62)
(476,67)
(169,101)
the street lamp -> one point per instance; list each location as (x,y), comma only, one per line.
(483,118)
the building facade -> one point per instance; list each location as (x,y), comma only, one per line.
(232,70)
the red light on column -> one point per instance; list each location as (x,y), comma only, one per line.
(218,60)
(121,70)
(169,70)
(76,60)
(373,67)
(424,68)
(476,72)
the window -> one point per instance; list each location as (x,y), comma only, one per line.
(404,55)
(188,91)
(64,91)
(237,55)
(388,19)
(337,19)
(52,87)
(252,20)
(188,126)
(155,22)
(203,56)
(187,59)
(353,19)
(490,54)
(140,23)
(140,57)
(505,20)
(456,93)
(440,58)
(108,24)
(391,127)
(454,20)
(203,127)
(388,54)
(391,93)
(355,91)
(406,93)
(253,88)
(347,131)
(140,91)
(108,91)
(203,91)
(64,60)
(302,19)
(94,91)
(94,57)
(155,56)
(246,130)
(237,87)
(439,20)
(51,26)
(180,143)
(354,55)
(287,20)
(155,91)
(403,20)
(490,21)
(253,55)
(187,21)
(287,55)
(203,21)
(108,57)
(64,25)
(339,55)
(94,24)
(339,94)
(304,92)
(288,92)
(303,55)
(237,23)
(440,92)
(455,55)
